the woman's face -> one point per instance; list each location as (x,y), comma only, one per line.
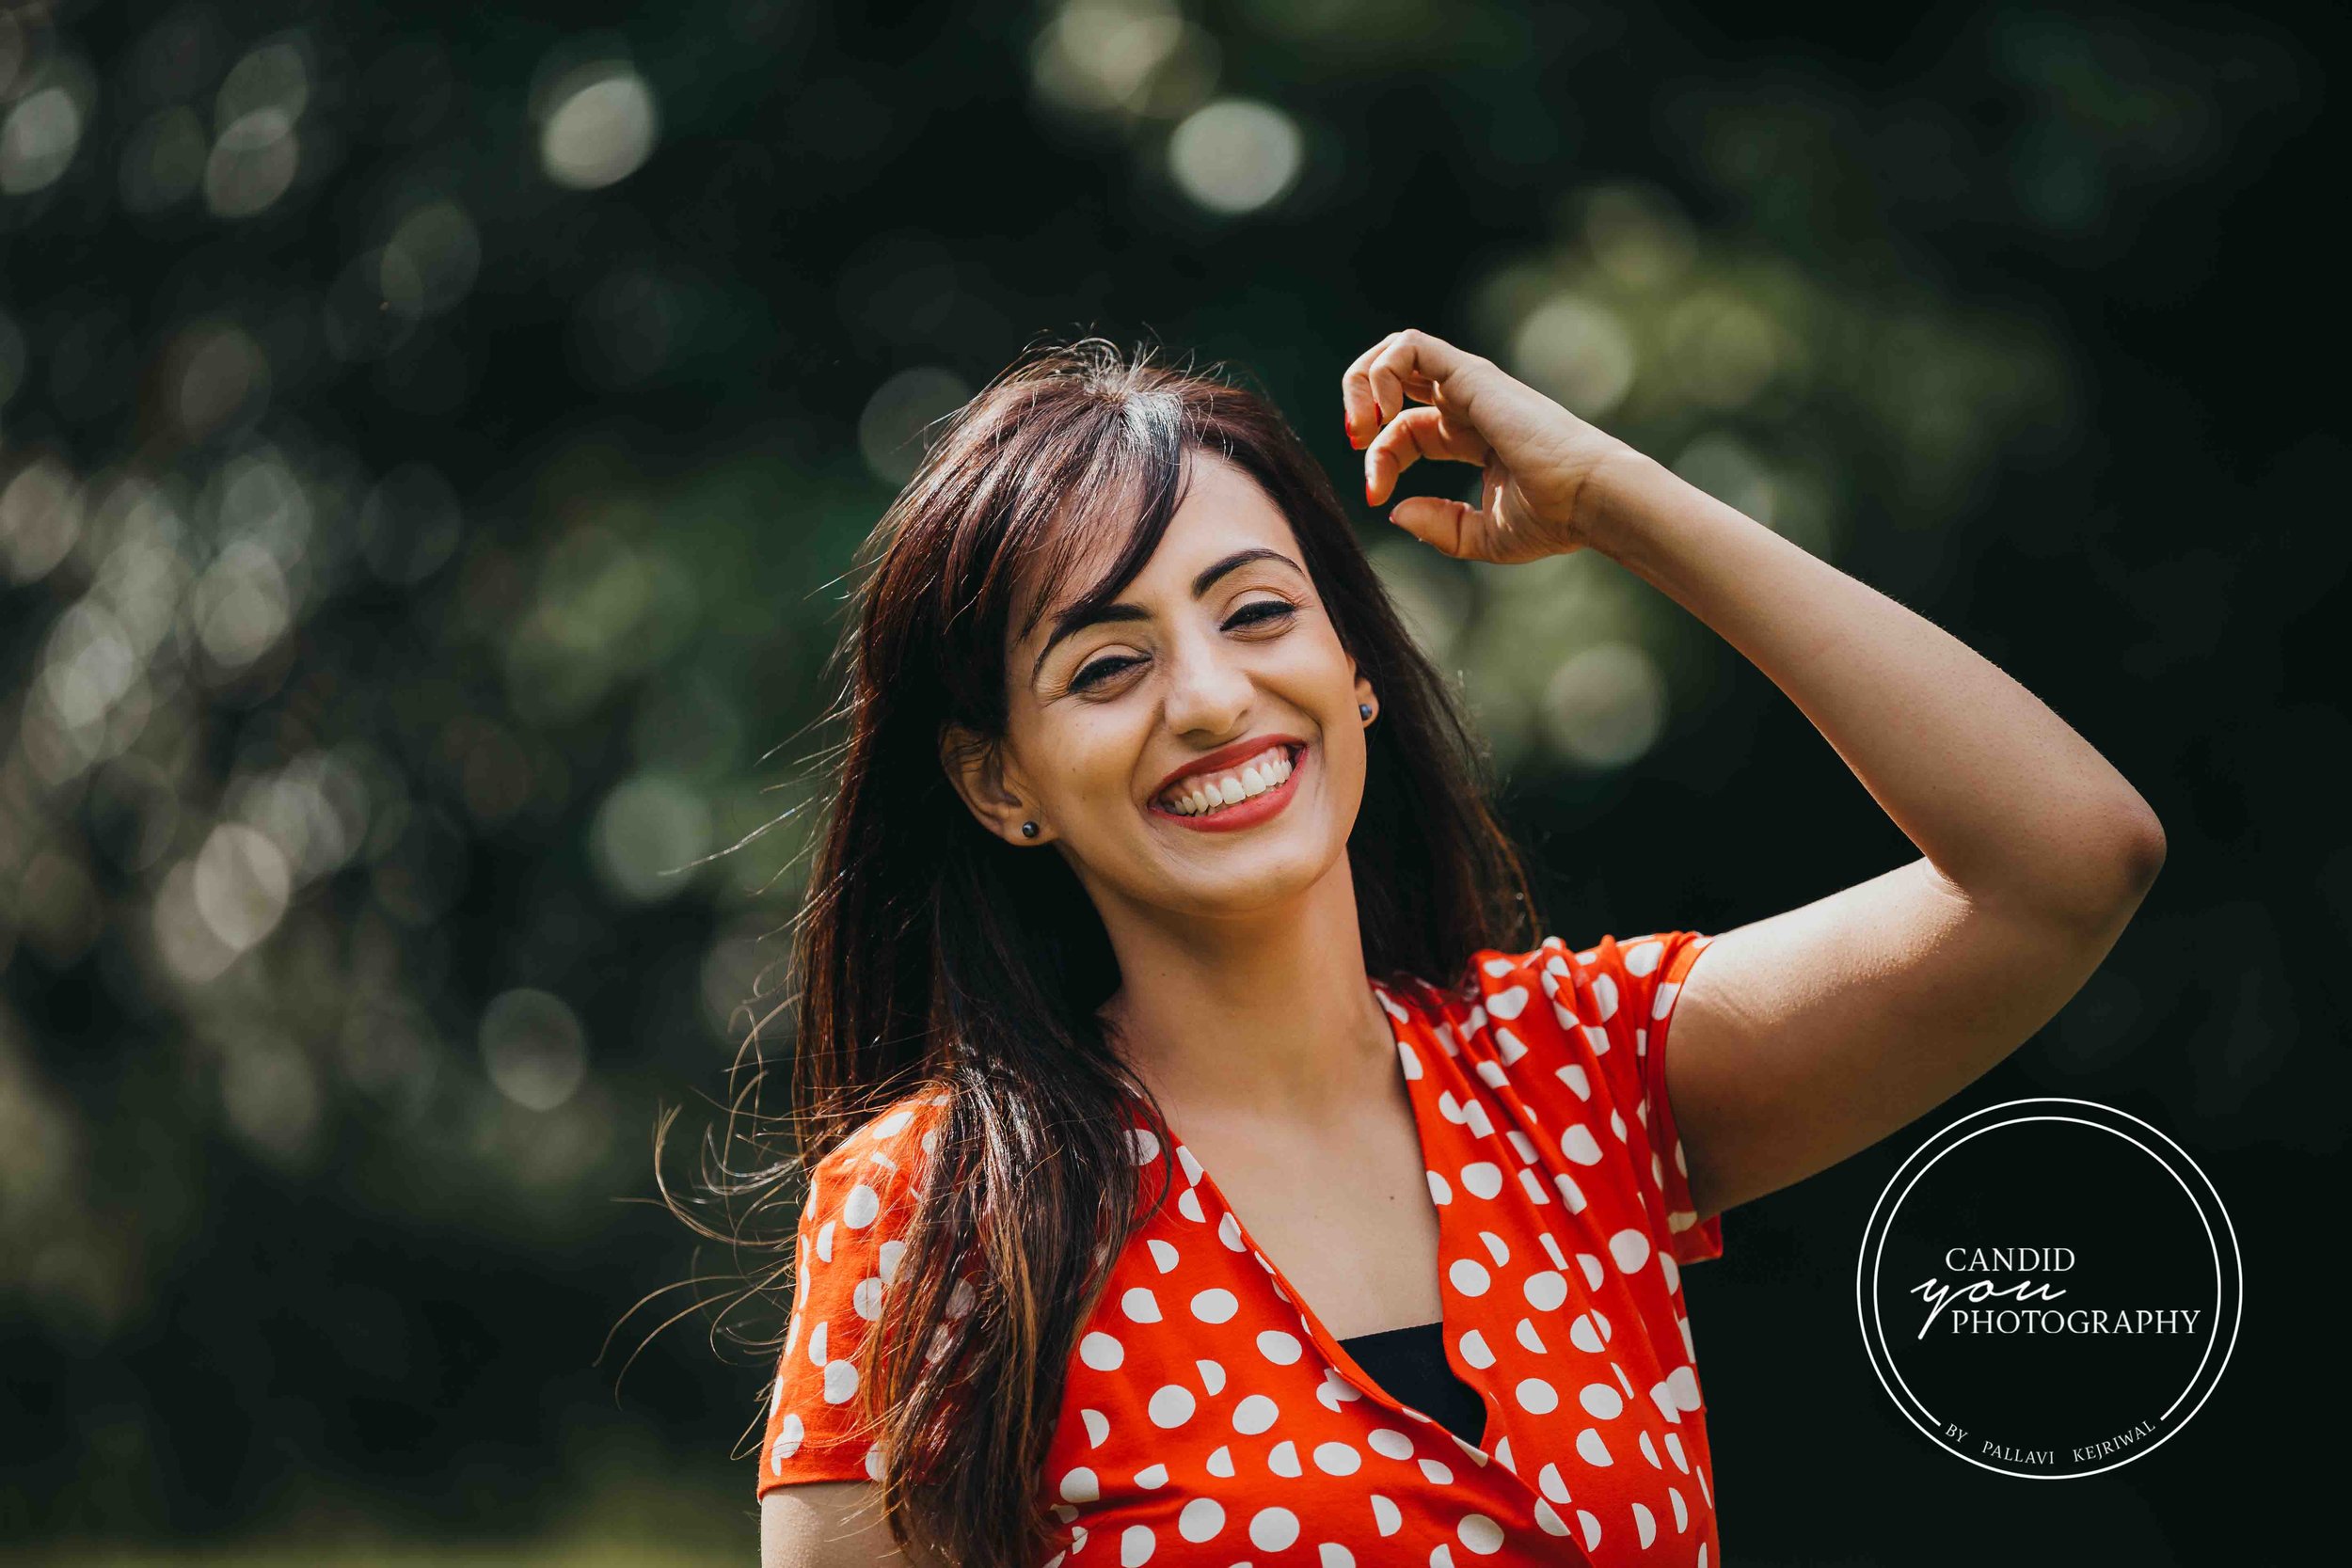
(1218,653)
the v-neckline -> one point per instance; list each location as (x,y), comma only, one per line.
(1334,1351)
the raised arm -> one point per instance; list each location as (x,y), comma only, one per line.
(1809,1036)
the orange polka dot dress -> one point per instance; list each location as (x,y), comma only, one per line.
(1210,1419)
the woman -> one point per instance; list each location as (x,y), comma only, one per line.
(1206,1163)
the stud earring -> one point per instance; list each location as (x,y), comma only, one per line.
(1028,830)
(1363,710)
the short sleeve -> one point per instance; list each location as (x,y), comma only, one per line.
(1612,1007)
(851,1235)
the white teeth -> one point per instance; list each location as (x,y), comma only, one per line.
(1255,777)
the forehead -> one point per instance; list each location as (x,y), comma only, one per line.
(1221,510)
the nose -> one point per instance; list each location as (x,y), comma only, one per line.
(1209,689)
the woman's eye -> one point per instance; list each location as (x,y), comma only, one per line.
(1249,615)
(1099,671)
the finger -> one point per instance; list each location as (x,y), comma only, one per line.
(1357,406)
(1408,358)
(1416,434)
(1438,522)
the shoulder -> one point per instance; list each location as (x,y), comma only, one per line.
(872,1175)
(1596,983)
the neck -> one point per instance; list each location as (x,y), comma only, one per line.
(1266,1015)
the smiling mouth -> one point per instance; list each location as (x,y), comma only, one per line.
(1207,796)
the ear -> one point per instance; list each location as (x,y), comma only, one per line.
(977,770)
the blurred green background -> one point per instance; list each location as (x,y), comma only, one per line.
(431,441)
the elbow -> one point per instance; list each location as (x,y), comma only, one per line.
(2114,868)
(2143,851)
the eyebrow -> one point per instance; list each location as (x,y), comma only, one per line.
(1080,617)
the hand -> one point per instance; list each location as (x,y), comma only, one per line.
(1538,497)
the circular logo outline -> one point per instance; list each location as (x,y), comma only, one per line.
(2202,1194)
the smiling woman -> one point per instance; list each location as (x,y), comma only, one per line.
(1152,815)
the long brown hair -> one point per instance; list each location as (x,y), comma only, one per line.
(929,955)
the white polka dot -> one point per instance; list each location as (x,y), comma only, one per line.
(1215,1306)
(1593,1273)
(840,1381)
(1282,1349)
(1081,1485)
(1497,1248)
(1186,1158)
(1100,1352)
(1201,1518)
(867,1298)
(1144,1143)
(886,1261)
(1547,1291)
(1683,1510)
(1604,998)
(1592,1531)
(1585,1334)
(817,1344)
(1229,1231)
(1337,1458)
(1685,1383)
(1643,1525)
(1441,1554)
(1476,1350)
(891,1125)
(1436,1471)
(1151,1476)
(1211,1376)
(1470,1277)
(1189,1205)
(1549,1518)
(1255,1414)
(824,1241)
(874,1462)
(1571,1193)
(1631,1249)
(859,1208)
(1649,1451)
(1578,1144)
(1283,1461)
(1480,1534)
(1536,1397)
(1667,1266)
(1163,1254)
(1602,1400)
(1554,1485)
(1642,957)
(1674,1450)
(1508,1005)
(788,1443)
(1171,1406)
(1388,1443)
(1533,1341)
(1439,1192)
(1140,1306)
(1273,1528)
(1221,1462)
(1098,1427)
(1134,1545)
(1386,1514)
(1330,1554)
(1484,1180)
(1590,1448)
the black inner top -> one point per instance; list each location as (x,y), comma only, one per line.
(1410,1364)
